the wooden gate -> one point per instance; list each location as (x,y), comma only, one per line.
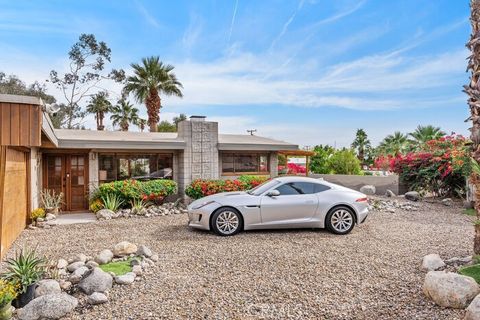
(14,190)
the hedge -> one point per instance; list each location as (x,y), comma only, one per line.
(201,188)
(129,190)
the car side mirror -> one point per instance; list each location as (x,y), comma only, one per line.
(273,193)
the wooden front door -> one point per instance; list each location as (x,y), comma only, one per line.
(68,174)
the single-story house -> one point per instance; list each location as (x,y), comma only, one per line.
(36,156)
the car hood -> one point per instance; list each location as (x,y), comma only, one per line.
(234,198)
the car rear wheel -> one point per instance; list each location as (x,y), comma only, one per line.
(340,220)
(227,222)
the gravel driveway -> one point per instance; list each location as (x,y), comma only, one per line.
(372,273)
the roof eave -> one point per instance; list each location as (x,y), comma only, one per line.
(123,145)
(255,147)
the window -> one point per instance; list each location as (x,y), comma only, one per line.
(124,166)
(321,187)
(296,188)
(241,163)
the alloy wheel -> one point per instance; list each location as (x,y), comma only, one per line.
(227,222)
(342,220)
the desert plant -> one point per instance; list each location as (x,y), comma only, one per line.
(25,269)
(111,202)
(50,199)
(37,213)
(96,205)
(139,205)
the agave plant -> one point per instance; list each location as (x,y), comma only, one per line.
(138,206)
(51,200)
(111,201)
(25,269)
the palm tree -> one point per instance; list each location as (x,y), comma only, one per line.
(394,143)
(123,114)
(99,106)
(426,133)
(361,144)
(473,92)
(151,79)
(141,124)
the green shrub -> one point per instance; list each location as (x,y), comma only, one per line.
(128,191)
(201,188)
(117,267)
(111,201)
(345,162)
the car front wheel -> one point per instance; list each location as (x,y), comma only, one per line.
(340,220)
(227,222)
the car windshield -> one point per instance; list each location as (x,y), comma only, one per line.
(261,188)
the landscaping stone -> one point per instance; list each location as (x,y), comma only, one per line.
(51,306)
(105,214)
(389,193)
(412,196)
(473,310)
(97,281)
(62,263)
(97,298)
(124,248)
(75,265)
(105,256)
(135,262)
(447,202)
(47,286)
(79,257)
(450,290)
(91,264)
(50,216)
(154,257)
(127,278)
(368,190)
(459,261)
(78,274)
(432,262)
(144,251)
(137,270)
(65,285)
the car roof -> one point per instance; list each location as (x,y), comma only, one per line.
(284,179)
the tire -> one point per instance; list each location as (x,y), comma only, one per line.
(227,222)
(340,220)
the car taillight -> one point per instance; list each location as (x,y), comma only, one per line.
(362,200)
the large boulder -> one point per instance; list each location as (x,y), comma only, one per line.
(97,281)
(50,306)
(473,310)
(412,196)
(432,262)
(105,256)
(105,214)
(368,190)
(450,290)
(48,286)
(124,248)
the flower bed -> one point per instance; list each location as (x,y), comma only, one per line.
(201,188)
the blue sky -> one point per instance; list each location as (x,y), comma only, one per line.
(308,72)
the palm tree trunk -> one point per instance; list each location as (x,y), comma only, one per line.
(100,125)
(153,109)
(474,93)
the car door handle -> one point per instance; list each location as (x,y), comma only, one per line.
(253,206)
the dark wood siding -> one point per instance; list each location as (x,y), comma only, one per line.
(20,125)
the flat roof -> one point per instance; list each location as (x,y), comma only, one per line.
(252,142)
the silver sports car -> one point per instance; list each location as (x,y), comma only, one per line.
(284,202)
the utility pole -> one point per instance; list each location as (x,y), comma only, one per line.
(252,131)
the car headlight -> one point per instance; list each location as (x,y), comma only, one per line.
(203,204)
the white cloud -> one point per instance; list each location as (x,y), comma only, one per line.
(149,18)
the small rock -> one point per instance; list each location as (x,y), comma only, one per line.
(105,256)
(105,214)
(50,216)
(62,264)
(432,262)
(367,189)
(97,298)
(389,193)
(468,204)
(412,196)
(144,251)
(447,202)
(135,262)
(127,278)
(31,227)
(154,257)
(97,281)
(75,265)
(47,286)
(450,290)
(65,285)
(50,306)
(473,310)
(124,248)
(137,270)
(80,257)
(91,264)
(40,220)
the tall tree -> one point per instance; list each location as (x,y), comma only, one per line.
(88,58)
(99,106)
(422,134)
(166,126)
(473,92)
(393,144)
(180,118)
(141,124)
(361,144)
(320,162)
(11,84)
(124,114)
(152,78)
